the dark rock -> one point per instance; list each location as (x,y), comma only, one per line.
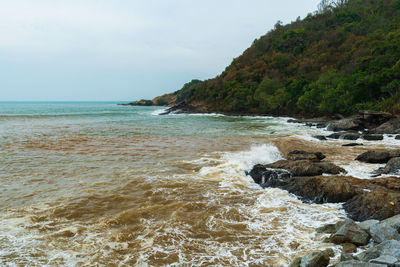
(347,257)
(315,259)
(304,155)
(383,231)
(378,157)
(397,137)
(346,125)
(267,177)
(355,263)
(350,136)
(350,232)
(306,167)
(392,167)
(390,127)
(372,137)
(320,137)
(294,121)
(353,144)
(349,248)
(321,125)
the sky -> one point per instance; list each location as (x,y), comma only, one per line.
(123,50)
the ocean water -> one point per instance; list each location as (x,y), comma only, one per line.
(97,184)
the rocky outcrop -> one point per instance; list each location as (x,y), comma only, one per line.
(314,259)
(372,137)
(304,155)
(390,127)
(392,167)
(350,232)
(354,123)
(378,156)
(306,167)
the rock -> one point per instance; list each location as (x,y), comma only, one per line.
(295,263)
(353,144)
(346,125)
(390,127)
(315,259)
(347,257)
(350,232)
(320,137)
(267,177)
(383,231)
(390,247)
(365,225)
(355,263)
(349,248)
(330,228)
(385,259)
(335,135)
(392,167)
(397,137)
(350,136)
(394,222)
(372,137)
(378,157)
(304,155)
(306,167)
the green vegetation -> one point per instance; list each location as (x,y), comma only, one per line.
(343,58)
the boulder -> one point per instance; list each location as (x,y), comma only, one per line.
(350,232)
(350,136)
(306,167)
(397,137)
(347,257)
(348,248)
(355,263)
(320,137)
(267,177)
(392,167)
(373,137)
(390,127)
(315,259)
(390,247)
(365,225)
(304,155)
(383,231)
(378,156)
(330,228)
(394,222)
(353,144)
(346,125)
(385,259)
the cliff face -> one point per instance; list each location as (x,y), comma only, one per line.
(343,58)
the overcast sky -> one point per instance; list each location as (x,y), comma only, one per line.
(53,50)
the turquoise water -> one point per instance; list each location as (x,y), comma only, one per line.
(94,183)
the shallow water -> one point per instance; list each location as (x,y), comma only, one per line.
(86,184)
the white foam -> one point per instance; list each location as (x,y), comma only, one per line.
(159,111)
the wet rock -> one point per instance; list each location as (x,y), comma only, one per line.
(365,225)
(390,247)
(355,263)
(306,167)
(315,259)
(350,136)
(304,155)
(385,259)
(397,137)
(346,125)
(372,137)
(267,177)
(320,137)
(390,127)
(383,231)
(350,232)
(353,144)
(378,157)
(392,167)
(349,248)
(330,228)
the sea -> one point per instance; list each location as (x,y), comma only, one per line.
(99,184)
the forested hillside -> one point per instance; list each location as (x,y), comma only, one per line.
(340,59)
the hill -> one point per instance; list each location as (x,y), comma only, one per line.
(340,59)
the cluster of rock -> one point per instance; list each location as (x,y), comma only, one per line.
(382,236)
(368,125)
(364,200)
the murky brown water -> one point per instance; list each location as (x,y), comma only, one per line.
(74,198)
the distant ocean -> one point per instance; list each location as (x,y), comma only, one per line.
(94,183)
